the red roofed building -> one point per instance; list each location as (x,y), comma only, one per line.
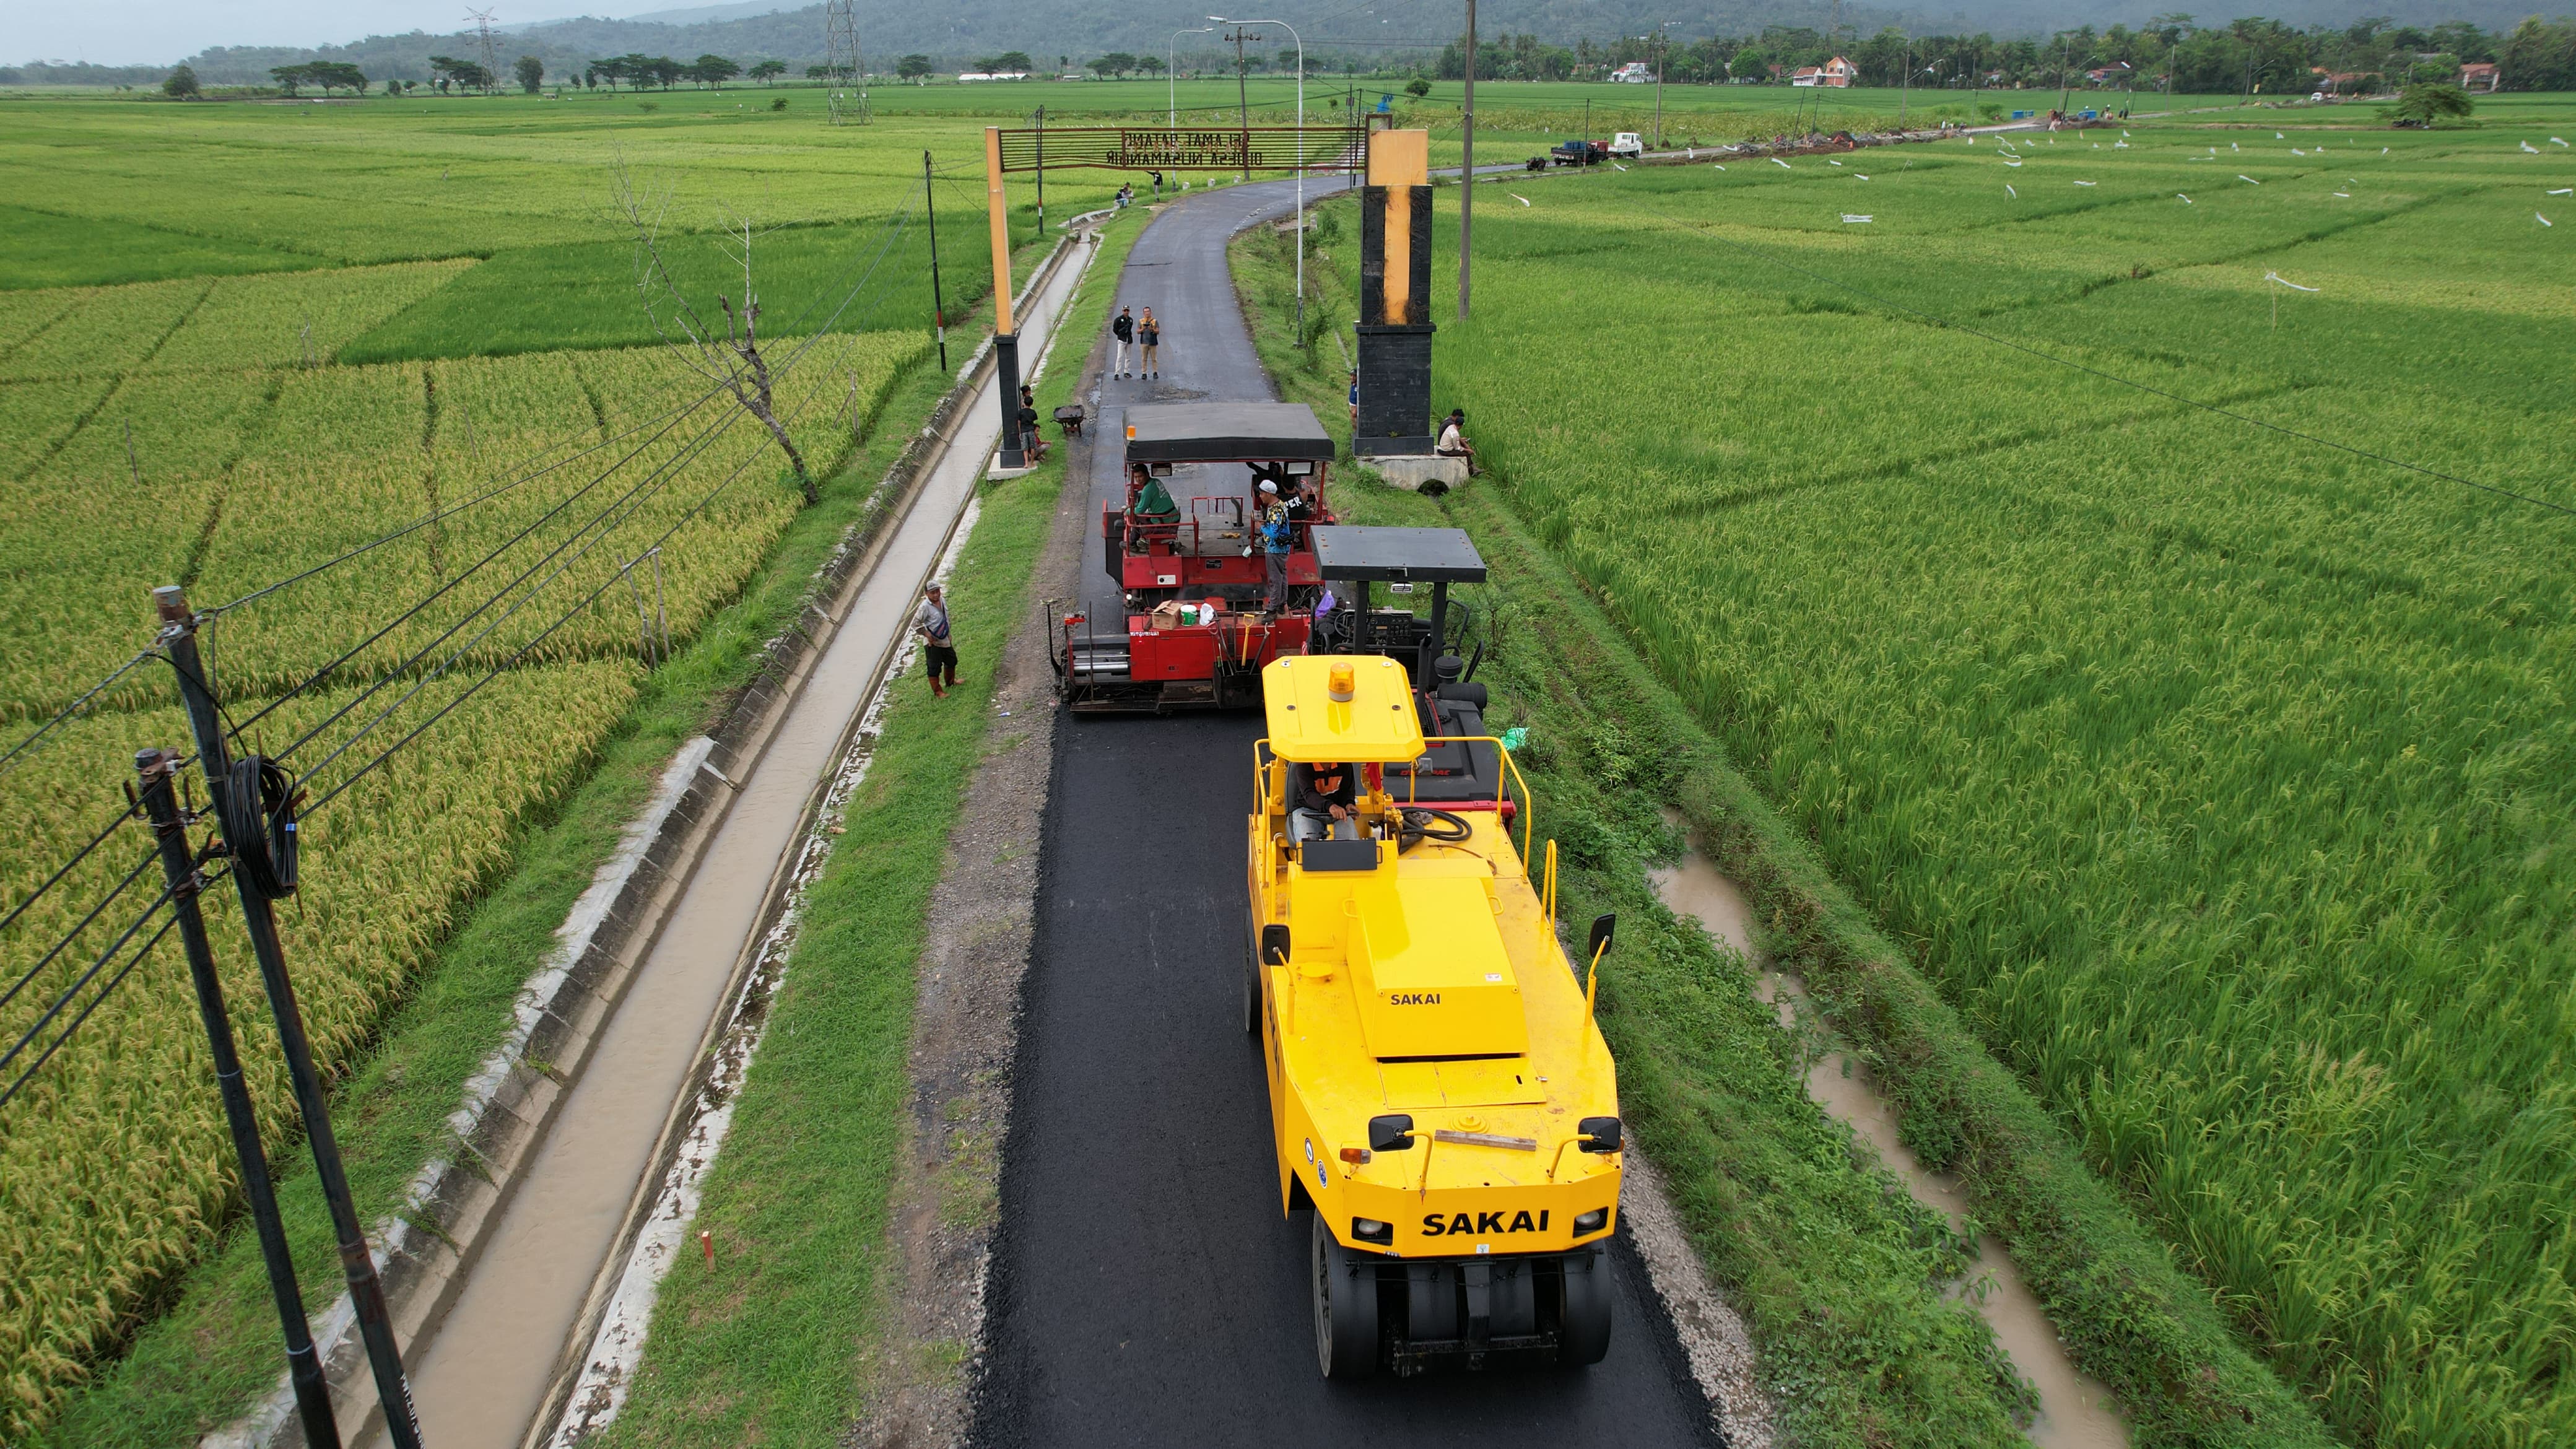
(1836,72)
(2481,76)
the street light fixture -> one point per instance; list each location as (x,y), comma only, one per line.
(1300,152)
(1171,71)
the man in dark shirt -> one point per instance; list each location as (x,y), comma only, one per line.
(1324,796)
(1122,334)
(1030,438)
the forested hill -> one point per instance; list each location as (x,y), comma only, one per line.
(955,34)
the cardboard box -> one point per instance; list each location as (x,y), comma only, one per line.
(1167,615)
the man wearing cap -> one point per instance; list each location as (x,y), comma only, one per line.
(930,621)
(1277,534)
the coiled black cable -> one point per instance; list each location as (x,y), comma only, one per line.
(259,825)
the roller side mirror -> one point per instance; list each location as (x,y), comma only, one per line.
(1598,1134)
(1394,1132)
(1274,945)
(1603,928)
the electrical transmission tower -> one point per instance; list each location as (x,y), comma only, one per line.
(841,60)
(483,31)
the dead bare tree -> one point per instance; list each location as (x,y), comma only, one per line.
(734,360)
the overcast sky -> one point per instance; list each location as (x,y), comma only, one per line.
(137,32)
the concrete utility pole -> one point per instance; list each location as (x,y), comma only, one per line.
(178,640)
(1300,157)
(1467,166)
(157,769)
(1242,103)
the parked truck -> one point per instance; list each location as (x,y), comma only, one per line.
(1626,143)
(1578,153)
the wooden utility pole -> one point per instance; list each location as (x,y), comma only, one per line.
(1467,164)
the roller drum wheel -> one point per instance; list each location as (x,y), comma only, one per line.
(1583,1315)
(1346,1337)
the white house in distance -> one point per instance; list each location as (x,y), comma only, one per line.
(1836,72)
(1635,73)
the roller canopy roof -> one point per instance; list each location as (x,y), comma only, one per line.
(1232,432)
(1418,555)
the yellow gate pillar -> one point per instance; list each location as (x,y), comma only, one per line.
(1395,298)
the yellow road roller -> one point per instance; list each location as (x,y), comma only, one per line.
(1441,1100)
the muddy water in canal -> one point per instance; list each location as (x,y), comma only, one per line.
(2075,1410)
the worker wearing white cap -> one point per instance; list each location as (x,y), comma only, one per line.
(1276,536)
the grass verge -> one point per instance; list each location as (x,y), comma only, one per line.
(1836,1270)
(207,1346)
(773,1344)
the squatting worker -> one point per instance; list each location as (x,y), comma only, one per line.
(1324,802)
(1149,335)
(1355,397)
(1453,442)
(930,621)
(1277,536)
(1122,335)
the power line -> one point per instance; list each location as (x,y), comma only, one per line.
(25,748)
(2149,388)
(651,483)
(894,227)
(18,1049)
(29,975)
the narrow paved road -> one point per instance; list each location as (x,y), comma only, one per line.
(1147,1290)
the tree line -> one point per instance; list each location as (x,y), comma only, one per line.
(2249,55)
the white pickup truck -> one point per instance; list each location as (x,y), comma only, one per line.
(1627,144)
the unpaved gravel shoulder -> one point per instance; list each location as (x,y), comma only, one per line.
(966,1018)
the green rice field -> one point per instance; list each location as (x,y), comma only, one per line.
(2219,771)
(399,363)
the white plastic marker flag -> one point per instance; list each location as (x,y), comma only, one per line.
(2554,141)
(1783,165)
(1833,163)
(2232,146)
(2185,199)
(2124,133)
(1516,196)
(2534,150)
(2346,195)
(2119,145)
(1864,178)
(2214,150)
(2536,216)
(2295,151)
(2015,164)
(1615,166)
(2008,191)
(2564,191)
(2383,150)
(1720,165)
(2286,282)
(1848,217)
(2087,183)
(2277,136)
(2248,180)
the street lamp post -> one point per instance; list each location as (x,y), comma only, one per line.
(1171,71)
(1300,151)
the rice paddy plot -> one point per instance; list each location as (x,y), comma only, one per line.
(2220,776)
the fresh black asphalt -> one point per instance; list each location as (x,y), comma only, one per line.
(1146,1289)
